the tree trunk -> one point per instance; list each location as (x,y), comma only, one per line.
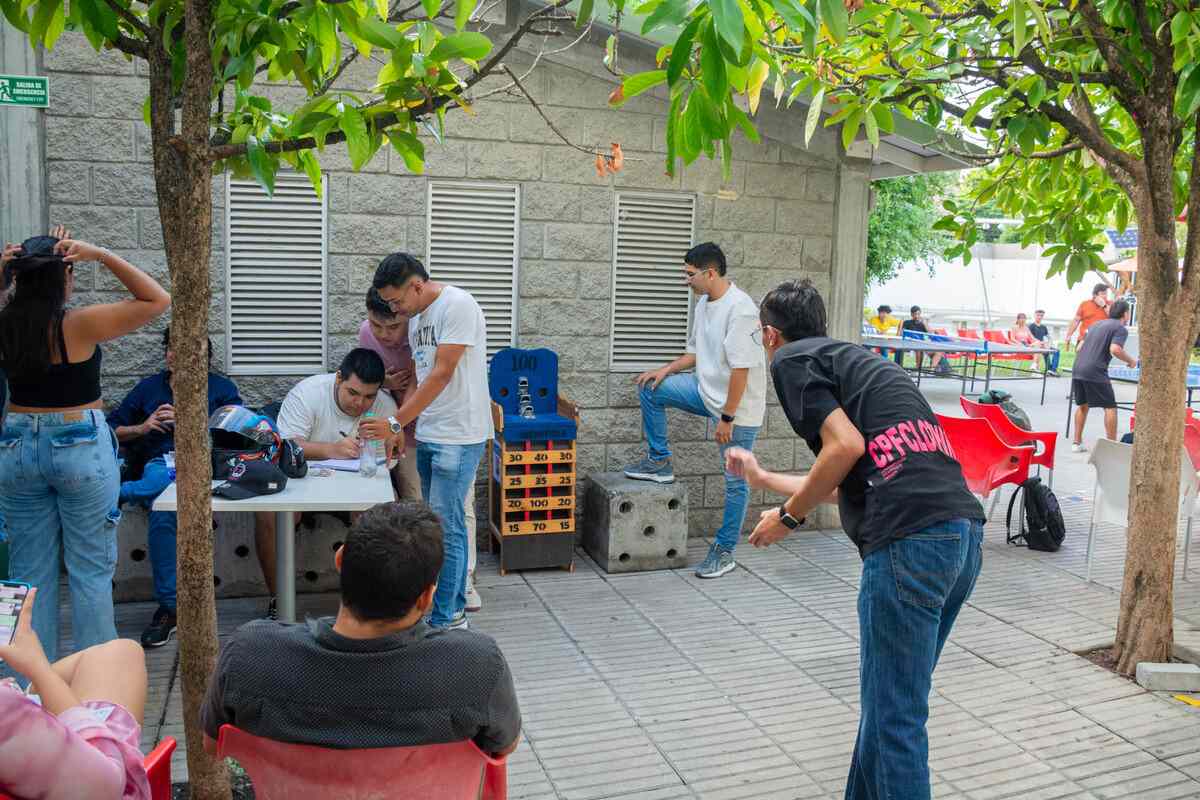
(183,179)
(1145,623)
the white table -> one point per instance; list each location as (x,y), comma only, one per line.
(342,491)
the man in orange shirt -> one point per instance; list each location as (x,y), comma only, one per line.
(1090,312)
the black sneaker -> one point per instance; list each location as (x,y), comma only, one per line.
(272,610)
(162,627)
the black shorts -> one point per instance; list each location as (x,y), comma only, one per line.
(1093,394)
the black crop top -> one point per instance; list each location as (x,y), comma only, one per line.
(64,385)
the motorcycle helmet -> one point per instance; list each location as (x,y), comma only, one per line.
(238,435)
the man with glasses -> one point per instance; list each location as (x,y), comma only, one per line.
(883,457)
(448,337)
(728,385)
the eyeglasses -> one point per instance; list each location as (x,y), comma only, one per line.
(756,335)
(394,305)
(691,276)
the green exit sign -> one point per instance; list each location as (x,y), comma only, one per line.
(24,90)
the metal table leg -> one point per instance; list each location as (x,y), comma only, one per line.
(285,565)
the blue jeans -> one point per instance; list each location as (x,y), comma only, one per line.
(58,493)
(1052,360)
(161,529)
(910,594)
(446,471)
(683,392)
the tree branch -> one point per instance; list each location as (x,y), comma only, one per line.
(1122,79)
(517,81)
(127,15)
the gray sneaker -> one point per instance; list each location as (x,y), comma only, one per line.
(459,622)
(650,470)
(718,562)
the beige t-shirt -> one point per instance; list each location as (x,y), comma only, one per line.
(722,340)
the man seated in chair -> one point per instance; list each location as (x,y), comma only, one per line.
(376,675)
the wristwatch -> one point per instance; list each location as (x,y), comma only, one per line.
(396,427)
(788,520)
(726,417)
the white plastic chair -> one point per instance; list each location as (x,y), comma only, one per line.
(1110,496)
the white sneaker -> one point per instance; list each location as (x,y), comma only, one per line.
(474,601)
(1078,447)
(459,623)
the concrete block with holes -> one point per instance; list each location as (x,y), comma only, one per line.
(632,526)
(235,565)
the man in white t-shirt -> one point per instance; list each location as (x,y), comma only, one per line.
(729,386)
(450,402)
(323,413)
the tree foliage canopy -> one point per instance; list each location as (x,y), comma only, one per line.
(900,227)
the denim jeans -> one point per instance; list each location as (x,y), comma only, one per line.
(910,594)
(1052,360)
(161,528)
(447,470)
(683,392)
(58,493)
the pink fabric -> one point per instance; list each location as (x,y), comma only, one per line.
(88,752)
(394,359)
(1023,336)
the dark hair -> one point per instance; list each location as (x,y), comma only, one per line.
(915,310)
(1098,288)
(883,309)
(31,321)
(377,306)
(706,256)
(364,363)
(393,553)
(398,268)
(167,343)
(795,309)
(1040,311)
(1118,309)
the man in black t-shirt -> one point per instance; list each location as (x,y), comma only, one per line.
(882,455)
(1090,385)
(1042,334)
(915,323)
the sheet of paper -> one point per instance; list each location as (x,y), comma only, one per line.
(341,464)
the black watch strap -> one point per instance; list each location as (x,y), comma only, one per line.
(788,520)
(726,417)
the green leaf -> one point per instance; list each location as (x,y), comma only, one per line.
(1180,25)
(1077,267)
(308,162)
(1122,215)
(1037,92)
(690,142)
(640,82)
(1018,25)
(666,14)
(738,117)
(381,8)
(431,7)
(833,14)
(358,142)
(58,23)
(731,25)
(410,149)
(261,164)
(713,124)
(712,65)
(795,16)
(681,53)
(380,33)
(850,127)
(758,76)
(919,22)
(585,13)
(872,129)
(42,17)
(814,115)
(326,35)
(891,29)
(466,45)
(673,122)
(883,118)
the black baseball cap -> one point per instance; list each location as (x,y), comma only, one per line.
(252,479)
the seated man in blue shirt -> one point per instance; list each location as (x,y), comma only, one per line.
(145,424)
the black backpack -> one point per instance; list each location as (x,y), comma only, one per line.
(1041,526)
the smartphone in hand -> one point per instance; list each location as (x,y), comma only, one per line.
(12,598)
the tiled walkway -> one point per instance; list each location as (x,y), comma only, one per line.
(658,685)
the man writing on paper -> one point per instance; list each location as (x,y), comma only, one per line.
(323,414)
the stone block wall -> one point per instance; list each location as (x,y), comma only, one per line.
(774,217)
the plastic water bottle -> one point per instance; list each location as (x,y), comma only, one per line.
(369,451)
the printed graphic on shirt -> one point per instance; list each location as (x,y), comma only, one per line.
(890,449)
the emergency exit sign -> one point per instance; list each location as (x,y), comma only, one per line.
(24,90)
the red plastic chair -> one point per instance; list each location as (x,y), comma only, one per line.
(1013,435)
(1002,337)
(158,770)
(987,462)
(968,333)
(282,771)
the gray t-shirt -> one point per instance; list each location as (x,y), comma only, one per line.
(1091,362)
(306,684)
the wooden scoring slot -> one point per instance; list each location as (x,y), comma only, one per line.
(538,480)
(566,501)
(536,457)
(559,522)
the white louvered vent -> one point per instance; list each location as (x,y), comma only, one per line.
(473,244)
(275,300)
(651,302)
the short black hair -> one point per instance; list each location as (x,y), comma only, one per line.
(392,553)
(706,256)
(1118,309)
(1040,311)
(398,268)
(377,306)
(167,343)
(885,309)
(1098,288)
(915,310)
(795,309)
(364,363)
